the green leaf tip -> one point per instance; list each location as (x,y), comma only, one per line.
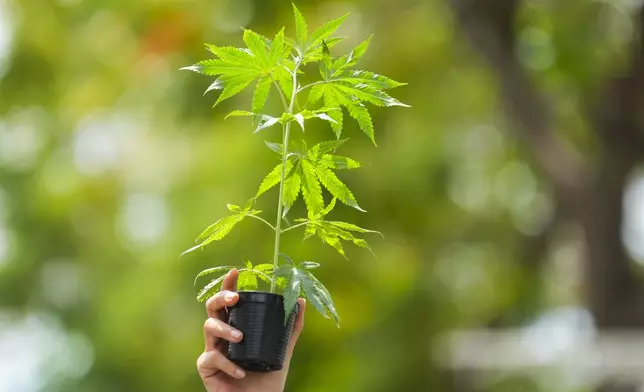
(213,270)
(301,28)
(222,227)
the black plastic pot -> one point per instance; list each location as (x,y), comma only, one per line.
(260,317)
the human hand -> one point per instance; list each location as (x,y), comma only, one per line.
(220,374)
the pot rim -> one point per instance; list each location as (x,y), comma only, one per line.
(260,296)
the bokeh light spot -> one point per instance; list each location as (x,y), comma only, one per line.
(633,224)
(144,217)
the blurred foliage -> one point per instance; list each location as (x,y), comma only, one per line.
(111,162)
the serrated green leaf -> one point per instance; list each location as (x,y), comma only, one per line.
(300,280)
(239,113)
(357,77)
(267,41)
(266,122)
(277,49)
(336,124)
(249,205)
(326,117)
(216,85)
(308,265)
(262,276)
(361,114)
(287,258)
(300,120)
(280,283)
(213,270)
(359,242)
(329,146)
(315,54)
(309,231)
(357,53)
(234,208)
(316,288)
(338,163)
(292,44)
(308,114)
(265,268)
(301,29)
(312,295)
(284,79)
(291,293)
(315,94)
(257,45)
(248,264)
(216,231)
(286,117)
(336,187)
(332,99)
(233,85)
(214,67)
(210,289)
(311,190)
(231,54)
(262,271)
(352,58)
(334,242)
(246,280)
(275,147)
(234,55)
(333,41)
(328,208)
(352,227)
(221,228)
(333,232)
(341,93)
(326,63)
(273,178)
(367,93)
(324,31)
(261,94)
(292,186)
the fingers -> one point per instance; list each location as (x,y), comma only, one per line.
(212,362)
(297,328)
(230,281)
(219,301)
(215,329)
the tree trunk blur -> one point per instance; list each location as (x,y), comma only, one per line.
(589,189)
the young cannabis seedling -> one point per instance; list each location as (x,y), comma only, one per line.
(277,64)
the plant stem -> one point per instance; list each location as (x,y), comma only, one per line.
(285,137)
(279,90)
(263,220)
(311,85)
(295,226)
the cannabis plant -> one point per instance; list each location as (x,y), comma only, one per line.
(277,64)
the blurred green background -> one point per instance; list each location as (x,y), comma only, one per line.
(510,194)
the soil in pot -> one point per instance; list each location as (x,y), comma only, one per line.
(260,317)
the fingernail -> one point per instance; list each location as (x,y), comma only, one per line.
(230,296)
(235,334)
(240,373)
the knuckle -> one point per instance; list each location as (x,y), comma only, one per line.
(207,323)
(216,326)
(215,298)
(201,360)
(210,302)
(211,324)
